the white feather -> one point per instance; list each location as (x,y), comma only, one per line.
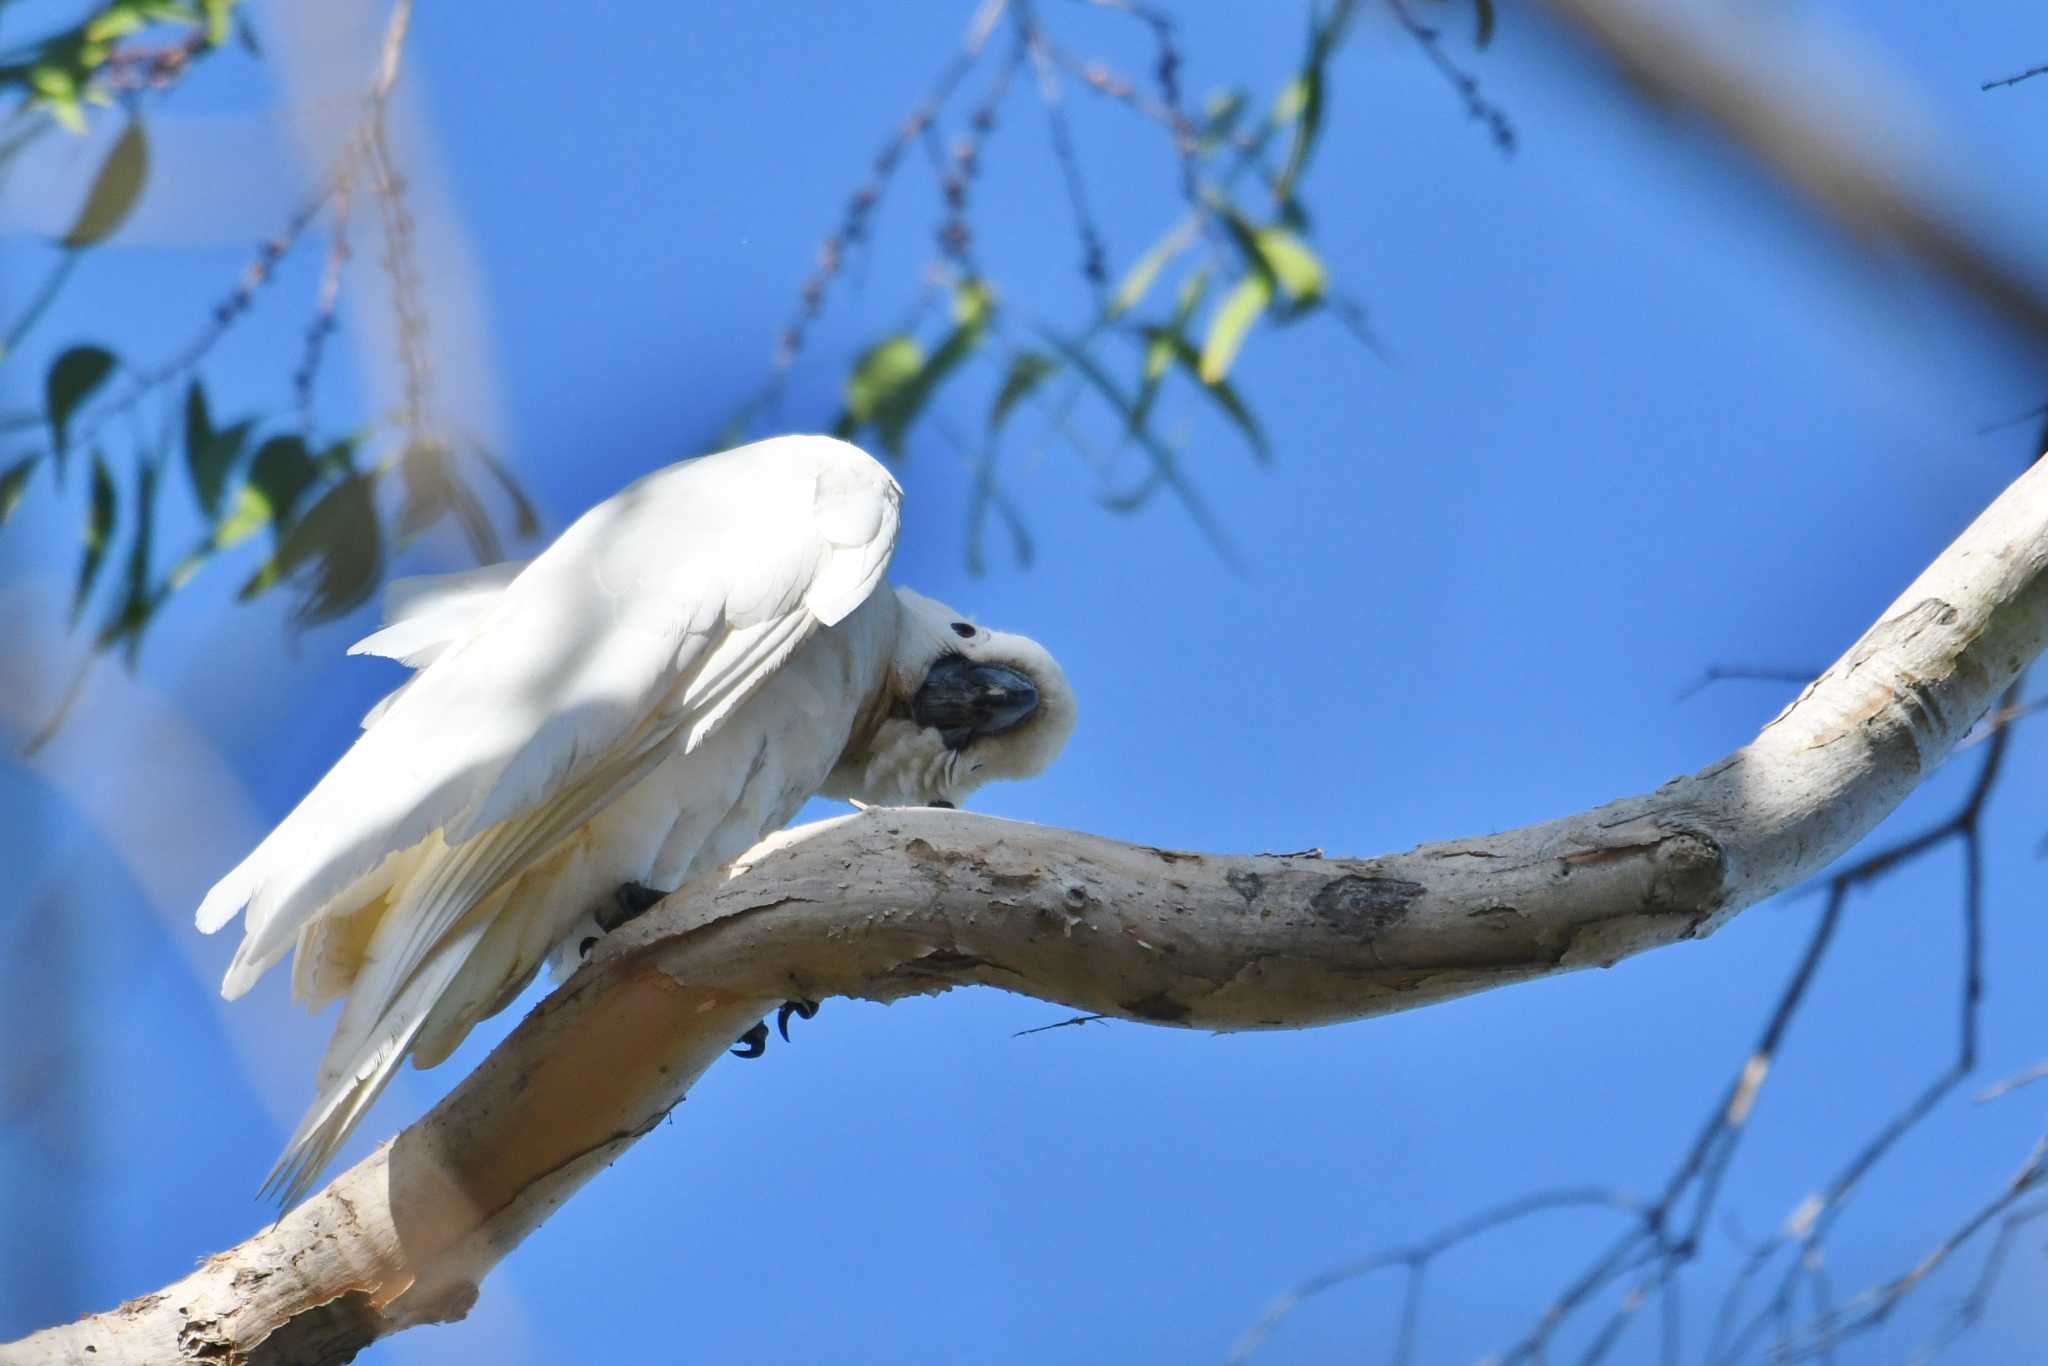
(546,693)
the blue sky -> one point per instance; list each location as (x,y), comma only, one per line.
(1641,419)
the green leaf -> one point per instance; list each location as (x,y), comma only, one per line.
(1292,100)
(1298,270)
(1142,276)
(99,528)
(335,551)
(1280,258)
(138,602)
(1158,353)
(1158,356)
(1028,370)
(114,190)
(210,452)
(72,379)
(218,13)
(893,380)
(1165,468)
(974,303)
(1227,329)
(278,476)
(117,21)
(1192,291)
(1227,399)
(879,375)
(1221,113)
(1304,97)
(13,484)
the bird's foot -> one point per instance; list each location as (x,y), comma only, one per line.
(803,1010)
(754,1042)
(629,902)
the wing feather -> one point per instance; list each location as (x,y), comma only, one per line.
(651,617)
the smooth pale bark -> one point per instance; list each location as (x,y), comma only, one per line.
(895,902)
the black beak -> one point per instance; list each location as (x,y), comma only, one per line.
(962,700)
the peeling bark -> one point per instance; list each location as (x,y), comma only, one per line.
(900,902)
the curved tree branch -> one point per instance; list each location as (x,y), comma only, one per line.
(898,902)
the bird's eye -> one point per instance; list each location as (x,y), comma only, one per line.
(963,630)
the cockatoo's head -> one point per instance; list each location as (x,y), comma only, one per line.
(966,705)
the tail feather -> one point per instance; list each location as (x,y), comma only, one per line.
(352,1081)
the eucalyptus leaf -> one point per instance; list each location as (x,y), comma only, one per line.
(335,551)
(277,478)
(114,190)
(1138,282)
(138,601)
(210,452)
(99,529)
(1297,269)
(879,374)
(13,484)
(72,379)
(1232,321)
(1226,398)
(1028,370)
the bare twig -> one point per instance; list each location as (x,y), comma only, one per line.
(1477,106)
(2026,75)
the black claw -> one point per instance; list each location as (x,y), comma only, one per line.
(803,1010)
(629,901)
(583,949)
(753,1043)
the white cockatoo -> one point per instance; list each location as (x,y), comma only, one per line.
(663,686)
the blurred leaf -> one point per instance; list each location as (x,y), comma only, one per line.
(1283,262)
(893,380)
(1158,356)
(278,476)
(1227,399)
(1242,233)
(210,453)
(13,484)
(528,522)
(1227,329)
(1486,17)
(1298,270)
(114,190)
(1192,291)
(337,459)
(1221,113)
(1142,276)
(336,551)
(138,602)
(1165,468)
(1304,96)
(99,527)
(1292,100)
(56,84)
(974,303)
(1158,353)
(116,21)
(71,381)
(218,14)
(879,374)
(1028,370)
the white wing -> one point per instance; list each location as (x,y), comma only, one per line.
(638,630)
(426,614)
